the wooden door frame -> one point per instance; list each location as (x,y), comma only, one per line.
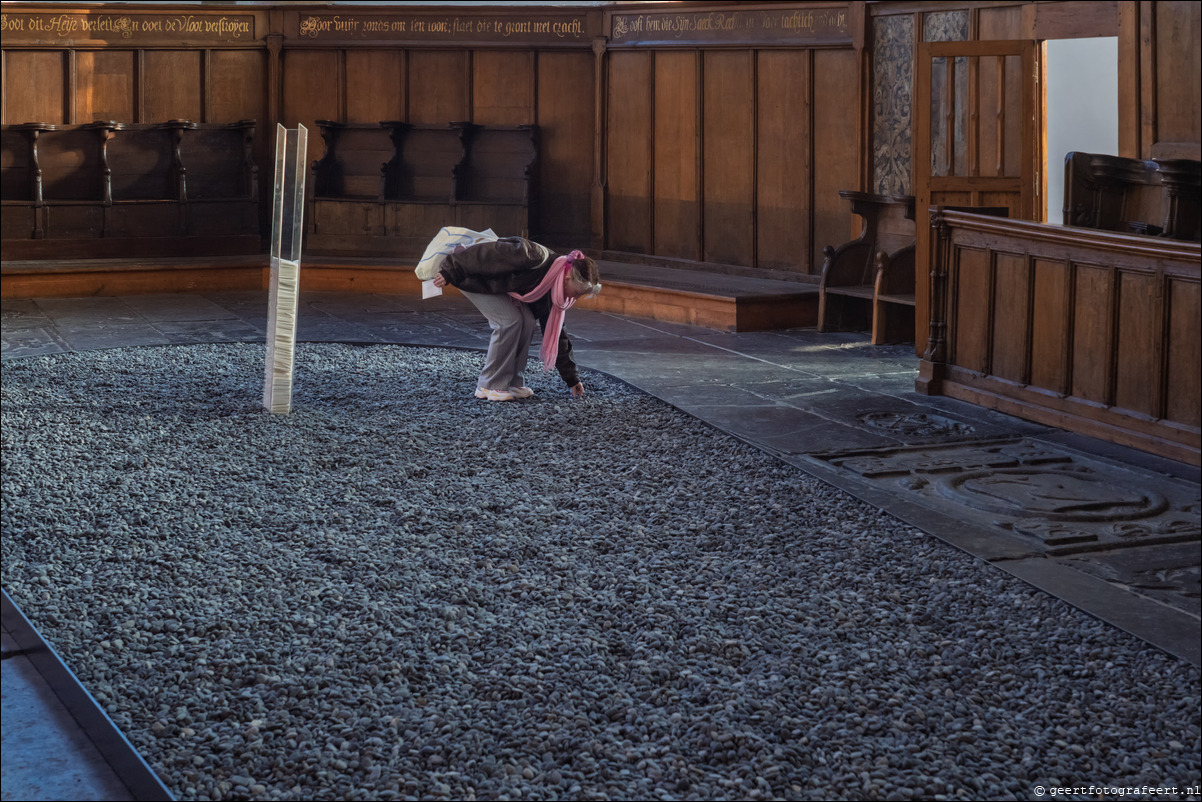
(1028,186)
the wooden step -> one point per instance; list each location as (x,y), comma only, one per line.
(703,298)
(669,294)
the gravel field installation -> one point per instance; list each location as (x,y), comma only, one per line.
(400,592)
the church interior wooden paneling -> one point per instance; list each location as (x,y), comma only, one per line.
(659,138)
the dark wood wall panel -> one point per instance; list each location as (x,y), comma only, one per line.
(676,209)
(783,160)
(438,86)
(105,85)
(35,86)
(311,93)
(1011,319)
(238,87)
(171,86)
(1184,363)
(628,213)
(1003,22)
(835,120)
(1091,334)
(382,74)
(1137,380)
(728,151)
(1178,76)
(972,295)
(503,87)
(1049,325)
(566,131)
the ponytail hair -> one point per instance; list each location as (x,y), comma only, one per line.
(586,275)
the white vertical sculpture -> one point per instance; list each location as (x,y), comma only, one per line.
(288,207)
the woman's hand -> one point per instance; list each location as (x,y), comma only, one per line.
(578,390)
(440,280)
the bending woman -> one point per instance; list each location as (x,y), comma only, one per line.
(514,282)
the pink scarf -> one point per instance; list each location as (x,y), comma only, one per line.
(560,304)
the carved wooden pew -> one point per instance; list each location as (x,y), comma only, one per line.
(383,189)
(222,181)
(21,187)
(422,182)
(868,283)
(109,189)
(496,186)
(1130,196)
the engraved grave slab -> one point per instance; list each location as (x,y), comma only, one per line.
(1057,501)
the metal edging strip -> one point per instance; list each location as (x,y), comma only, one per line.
(118,752)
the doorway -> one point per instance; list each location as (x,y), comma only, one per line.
(1082,108)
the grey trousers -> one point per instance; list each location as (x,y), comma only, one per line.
(513,327)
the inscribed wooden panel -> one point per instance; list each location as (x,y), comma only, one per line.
(676,219)
(238,89)
(503,87)
(34,87)
(1049,326)
(311,93)
(1184,402)
(783,165)
(375,85)
(1011,317)
(566,130)
(1137,378)
(171,86)
(969,331)
(836,149)
(628,161)
(728,145)
(1092,337)
(438,86)
(105,86)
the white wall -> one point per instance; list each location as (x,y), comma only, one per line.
(1082,107)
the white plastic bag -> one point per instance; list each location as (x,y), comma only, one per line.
(445,241)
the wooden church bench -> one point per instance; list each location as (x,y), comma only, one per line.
(383,189)
(118,190)
(868,283)
(1131,196)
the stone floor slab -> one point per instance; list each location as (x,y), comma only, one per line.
(87,311)
(226,330)
(38,341)
(120,334)
(176,308)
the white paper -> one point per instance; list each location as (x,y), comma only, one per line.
(429,290)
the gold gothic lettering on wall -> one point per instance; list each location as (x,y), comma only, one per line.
(105,26)
(786,25)
(351,27)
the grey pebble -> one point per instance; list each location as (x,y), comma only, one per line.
(400,592)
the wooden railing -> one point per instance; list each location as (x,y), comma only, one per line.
(1090,331)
